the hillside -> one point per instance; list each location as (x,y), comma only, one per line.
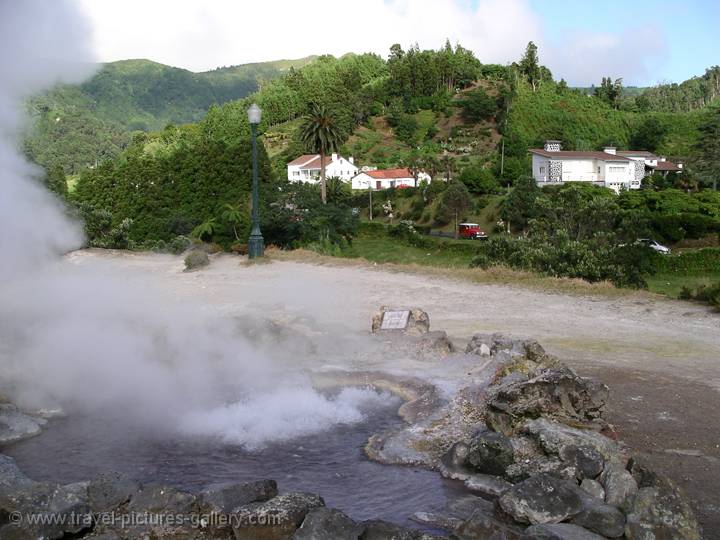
(77,126)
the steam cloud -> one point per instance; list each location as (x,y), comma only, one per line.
(85,337)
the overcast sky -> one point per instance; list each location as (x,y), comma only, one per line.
(642,41)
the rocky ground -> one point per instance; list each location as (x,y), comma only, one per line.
(659,357)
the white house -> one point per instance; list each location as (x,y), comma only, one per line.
(387,178)
(610,168)
(306,168)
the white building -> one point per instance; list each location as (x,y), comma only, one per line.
(609,168)
(387,178)
(306,168)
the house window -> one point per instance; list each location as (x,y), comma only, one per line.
(378,184)
(598,170)
(542,170)
(617,169)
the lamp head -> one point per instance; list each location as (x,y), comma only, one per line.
(254,114)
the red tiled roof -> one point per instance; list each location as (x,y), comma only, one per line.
(568,154)
(390,173)
(666,166)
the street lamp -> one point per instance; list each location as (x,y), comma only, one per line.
(256,244)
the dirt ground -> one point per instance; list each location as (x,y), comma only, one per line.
(661,358)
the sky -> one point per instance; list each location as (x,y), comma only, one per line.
(642,41)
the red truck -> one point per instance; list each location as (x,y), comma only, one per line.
(471,231)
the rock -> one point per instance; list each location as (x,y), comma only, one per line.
(109,492)
(159,499)
(603,519)
(418,321)
(10,475)
(659,513)
(327,524)
(490,452)
(383,530)
(586,459)
(560,531)
(620,486)
(453,463)
(16,425)
(556,392)
(593,487)
(491,486)
(438,521)
(491,344)
(553,436)
(435,342)
(276,519)
(67,504)
(223,498)
(541,499)
(482,525)
(524,469)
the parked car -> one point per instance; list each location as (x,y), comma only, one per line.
(653,244)
(471,231)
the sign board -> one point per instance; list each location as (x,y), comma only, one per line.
(395,320)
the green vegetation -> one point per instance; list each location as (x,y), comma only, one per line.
(196,259)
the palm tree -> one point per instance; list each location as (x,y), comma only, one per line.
(233,215)
(205,230)
(320,132)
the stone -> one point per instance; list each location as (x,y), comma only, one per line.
(435,342)
(223,498)
(541,499)
(593,487)
(453,463)
(276,519)
(488,485)
(560,531)
(383,530)
(525,468)
(160,499)
(109,492)
(327,524)
(490,452)
(620,486)
(68,503)
(491,344)
(556,392)
(482,525)
(586,459)
(659,513)
(418,321)
(11,477)
(553,436)
(15,425)
(602,519)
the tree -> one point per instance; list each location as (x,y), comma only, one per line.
(520,206)
(321,133)
(610,92)
(478,105)
(530,65)
(707,148)
(55,180)
(234,216)
(649,135)
(206,229)
(479,180)
(456,200)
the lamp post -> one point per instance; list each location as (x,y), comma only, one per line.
(256,244)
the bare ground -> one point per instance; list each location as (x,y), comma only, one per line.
(661,358)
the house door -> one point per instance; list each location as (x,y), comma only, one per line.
(378,184)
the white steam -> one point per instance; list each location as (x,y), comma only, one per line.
(89,338)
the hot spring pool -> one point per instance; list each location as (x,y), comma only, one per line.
(331,463)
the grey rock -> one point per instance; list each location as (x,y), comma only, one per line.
(620,486)
(485,526)
(327,524)
(553,436)
(659,513)
(223,498)
(488,485)
(438,521)
(109,492)
(383,530)
(434,342)
(159,499)
(453,463)
(594,488)
(542,499)
(492,344)
(15,425)
(11,477)
(276,519)
(561,531)
(418,321)
(490,452)
(525,468)
(603,519)
(558,392)
(586,459)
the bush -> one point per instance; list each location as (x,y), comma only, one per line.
(405,231)
(709,294)
(196,259)
(179,244)
(478,105)
(691,262)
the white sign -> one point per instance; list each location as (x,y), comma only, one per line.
(395,320)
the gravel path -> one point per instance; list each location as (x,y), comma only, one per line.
(660,357)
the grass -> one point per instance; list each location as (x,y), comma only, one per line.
(444,253)
(670,284)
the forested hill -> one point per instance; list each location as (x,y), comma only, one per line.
(76,126)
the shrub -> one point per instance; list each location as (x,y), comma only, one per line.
(196,259)
(179,244)
(406,232)
(709,294)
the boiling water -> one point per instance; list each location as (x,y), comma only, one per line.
(331,463)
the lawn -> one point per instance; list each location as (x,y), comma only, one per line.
(444,253)
(670,284)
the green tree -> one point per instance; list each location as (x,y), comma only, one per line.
(530,65)
(206,229)
(56,181)
(235,217)
(520,206)
(479,180)
(649,135)
(610,91)
(320,133)
(456,201)
(707,148)
(478,105)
